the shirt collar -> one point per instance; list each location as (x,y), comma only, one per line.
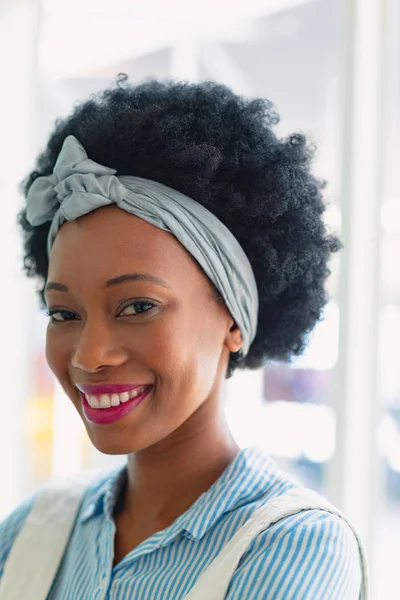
(103,494)
(247,478)
(250,475)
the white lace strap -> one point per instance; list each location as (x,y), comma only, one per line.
(39,547)
(213,583)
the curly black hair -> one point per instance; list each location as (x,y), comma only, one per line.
(220,149)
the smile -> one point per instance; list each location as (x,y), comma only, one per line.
(108,408)
(108,400)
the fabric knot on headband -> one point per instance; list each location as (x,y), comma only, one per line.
(78,185)
(74,176)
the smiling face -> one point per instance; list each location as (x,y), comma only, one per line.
(173,335)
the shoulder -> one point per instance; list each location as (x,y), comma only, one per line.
(11,526)
(93,482)
(311,555)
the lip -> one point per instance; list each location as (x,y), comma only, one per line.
(114,413)
(109,388)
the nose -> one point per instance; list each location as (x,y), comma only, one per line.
(97,348)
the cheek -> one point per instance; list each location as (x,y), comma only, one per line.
(172,344)
(186,356)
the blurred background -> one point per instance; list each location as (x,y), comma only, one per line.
(332,68)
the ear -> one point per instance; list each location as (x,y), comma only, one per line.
(234,339)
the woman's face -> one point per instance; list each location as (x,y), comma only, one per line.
(173,336)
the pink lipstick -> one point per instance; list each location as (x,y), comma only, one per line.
(114,413)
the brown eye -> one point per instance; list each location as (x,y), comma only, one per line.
(66,315)
(135,308)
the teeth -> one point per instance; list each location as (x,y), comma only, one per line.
(105,401)
(124,397)
(108,400)
(94,401)
(114,400)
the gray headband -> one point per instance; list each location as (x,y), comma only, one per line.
(79,185)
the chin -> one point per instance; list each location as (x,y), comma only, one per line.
(114,444)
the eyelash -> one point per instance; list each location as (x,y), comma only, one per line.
(50,313)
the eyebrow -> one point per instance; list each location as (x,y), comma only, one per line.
(126,277)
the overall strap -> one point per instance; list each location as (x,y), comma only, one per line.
(213,583)
(38,548)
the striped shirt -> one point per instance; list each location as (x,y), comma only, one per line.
(312,555)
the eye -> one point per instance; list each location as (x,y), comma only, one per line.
(135,308)
(131,310)
(66,315)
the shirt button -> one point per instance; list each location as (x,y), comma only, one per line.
(103,584)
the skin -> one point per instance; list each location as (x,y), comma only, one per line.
(177,441)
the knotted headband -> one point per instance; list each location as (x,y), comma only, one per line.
(79,185)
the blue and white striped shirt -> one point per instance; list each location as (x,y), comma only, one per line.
(312,555)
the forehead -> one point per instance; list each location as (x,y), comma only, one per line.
(109,241)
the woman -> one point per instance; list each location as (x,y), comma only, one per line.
(176,239)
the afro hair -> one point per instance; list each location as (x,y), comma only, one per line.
(221,150)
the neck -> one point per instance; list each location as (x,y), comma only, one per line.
(165,479)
